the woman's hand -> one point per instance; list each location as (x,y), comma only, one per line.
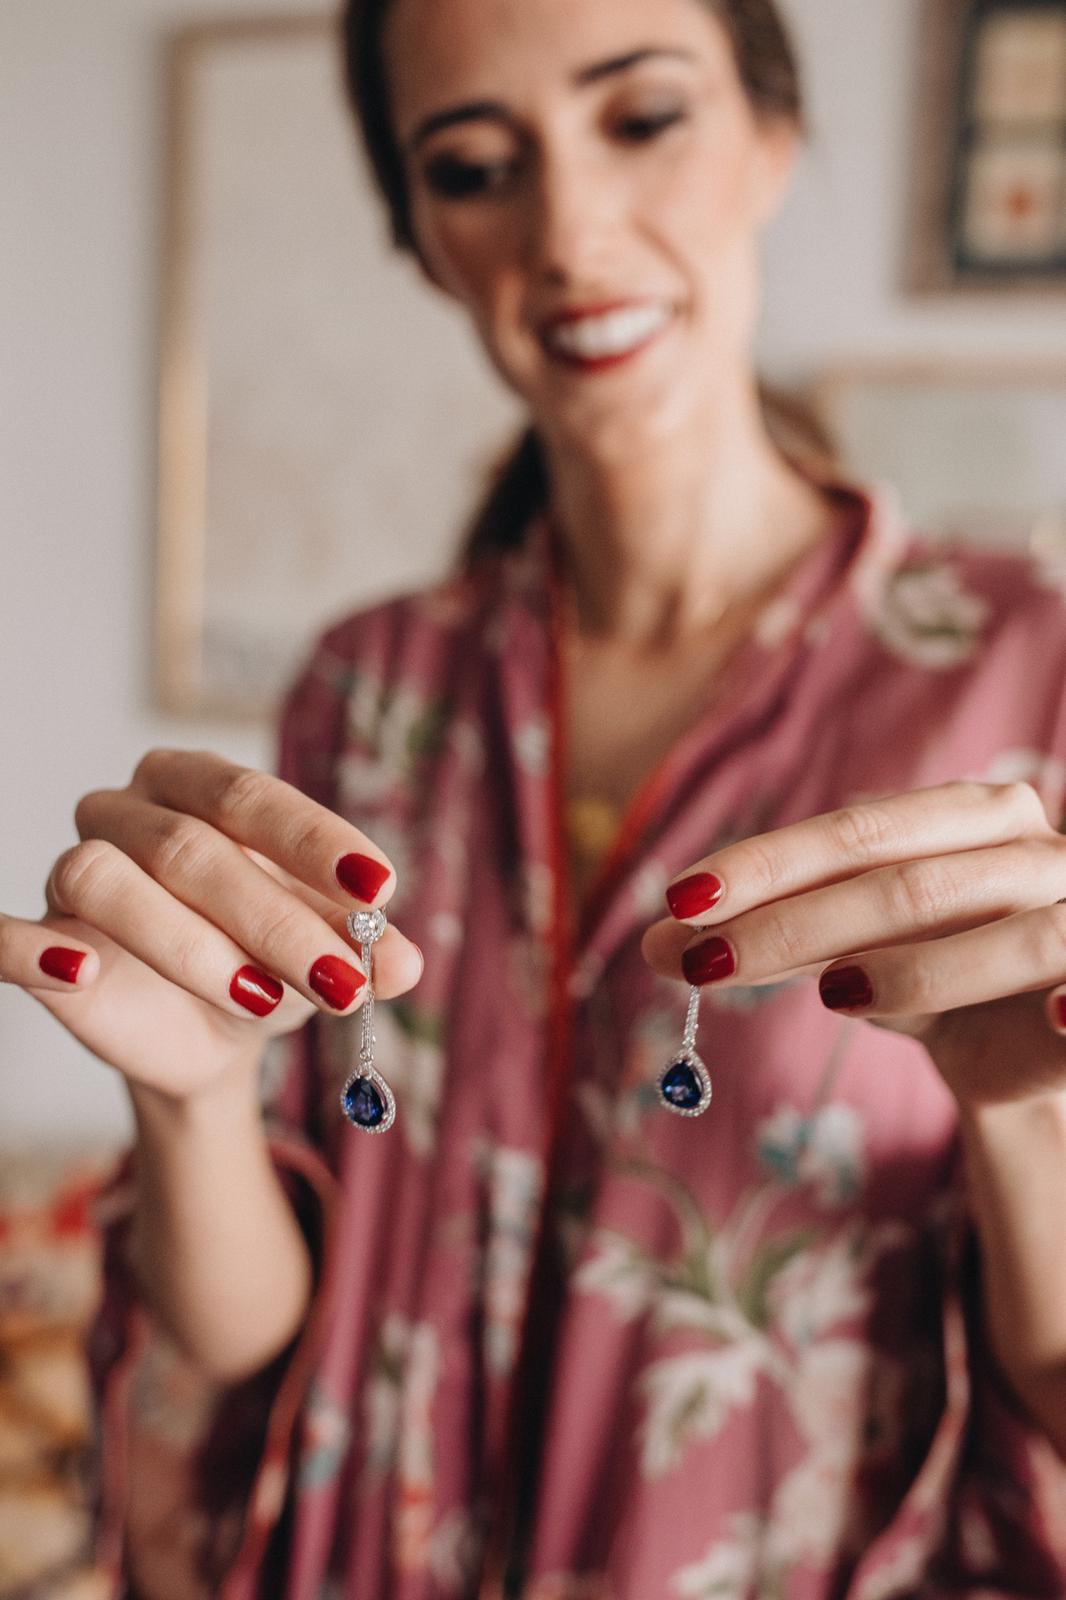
(933,913)
(203,911)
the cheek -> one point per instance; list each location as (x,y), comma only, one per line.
(468,260)
(481,274)
(703,205)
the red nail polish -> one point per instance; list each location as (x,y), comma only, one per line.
(335,981)
(709,962)
(846,989)
(1059,1007)
(361,876)
(61,963)
(256,990)
(694,895)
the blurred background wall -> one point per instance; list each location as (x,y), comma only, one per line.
(81,207)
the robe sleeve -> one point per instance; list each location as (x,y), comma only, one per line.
(985,1517)
(192,1477)
(1004,1510)
(1005,1529)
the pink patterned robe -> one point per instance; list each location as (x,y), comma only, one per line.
(753,1366)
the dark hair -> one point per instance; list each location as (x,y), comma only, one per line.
(769,71)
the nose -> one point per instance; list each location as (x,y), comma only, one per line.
(573,220)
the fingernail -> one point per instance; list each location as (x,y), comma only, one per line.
(1058,1006)
(709,962)
(694,895)
(256,990)
(335,981)
(61,963)
(361,876)
(846,989)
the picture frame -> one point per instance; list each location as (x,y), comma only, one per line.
(988,181)
(972,449)
(325,419)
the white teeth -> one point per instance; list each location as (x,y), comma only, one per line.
(610,335)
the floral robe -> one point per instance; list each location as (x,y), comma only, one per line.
(564,1345)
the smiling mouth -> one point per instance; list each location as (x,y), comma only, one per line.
(606,338)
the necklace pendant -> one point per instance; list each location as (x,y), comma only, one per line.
(685,1083)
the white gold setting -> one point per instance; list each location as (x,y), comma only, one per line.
(366,928)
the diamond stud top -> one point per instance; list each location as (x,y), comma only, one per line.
(366,927)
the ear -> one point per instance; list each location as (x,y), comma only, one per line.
(780,142)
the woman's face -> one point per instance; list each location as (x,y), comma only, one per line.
(590,182)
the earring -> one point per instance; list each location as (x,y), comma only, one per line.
(685,1083)
(366,1099)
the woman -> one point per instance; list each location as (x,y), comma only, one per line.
(563,1343)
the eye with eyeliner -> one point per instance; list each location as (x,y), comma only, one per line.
(642,128)
(452,178)
(455,179)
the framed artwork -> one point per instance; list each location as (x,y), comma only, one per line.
(973,450)
(989,157)
(326,418)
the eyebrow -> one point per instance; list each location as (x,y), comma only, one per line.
(474,110)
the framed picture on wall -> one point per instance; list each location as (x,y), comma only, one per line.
(326,418)
(973,450)
(989,152)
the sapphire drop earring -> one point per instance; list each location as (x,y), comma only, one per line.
(366,1099)
(685,1083)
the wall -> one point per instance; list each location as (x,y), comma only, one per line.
(80,155)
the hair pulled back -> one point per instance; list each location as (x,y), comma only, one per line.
(769,72)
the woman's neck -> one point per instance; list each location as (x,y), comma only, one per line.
(660,545)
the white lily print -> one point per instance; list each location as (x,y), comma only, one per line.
(924,614)
(751,1301)
(690,1396)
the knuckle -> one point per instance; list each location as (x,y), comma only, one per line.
(919,894)
(317,838)
(9,944)
(1048,935)
(1044,859)
(761,867)
(1021,800)
(784,940)
(186,956)
(915,988)
(180,848)
(238,791)
(89,811)
(275,934)
(861,831)
(82,873)
(149,767)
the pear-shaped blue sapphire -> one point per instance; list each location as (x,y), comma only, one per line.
(363,1104)
(682,1087)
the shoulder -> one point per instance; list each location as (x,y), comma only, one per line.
(406,634)
(961,668)
(961,607)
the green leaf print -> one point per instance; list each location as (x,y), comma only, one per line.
(426,736)
(422,1027)
(753,1292)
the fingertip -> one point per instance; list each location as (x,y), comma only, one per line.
(362,876)
(1056,1010)
(694,896)
(70,967)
